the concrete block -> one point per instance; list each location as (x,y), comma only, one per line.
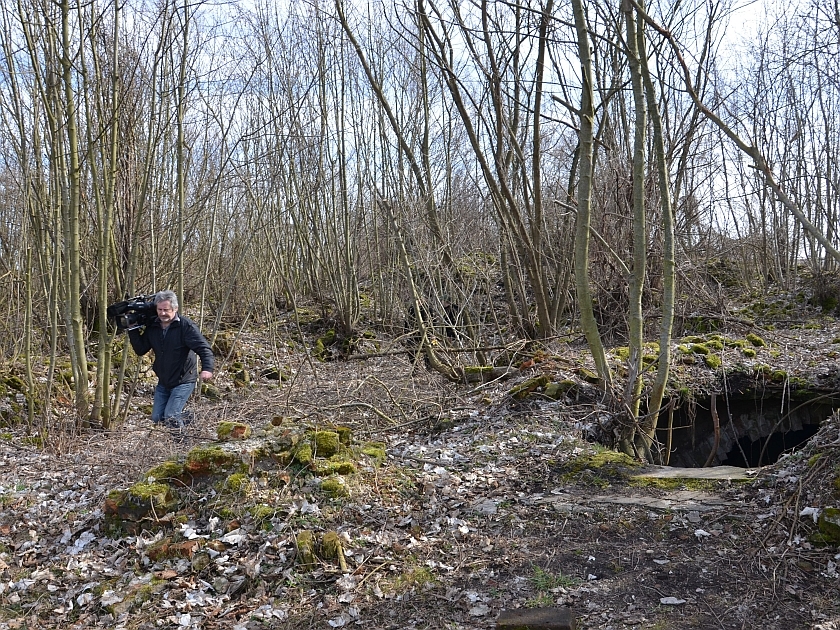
(536,619)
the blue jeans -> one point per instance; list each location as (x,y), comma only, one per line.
(170,402)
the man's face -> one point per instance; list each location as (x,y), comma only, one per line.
(166,313)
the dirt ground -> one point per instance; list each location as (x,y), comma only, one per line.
(484,503)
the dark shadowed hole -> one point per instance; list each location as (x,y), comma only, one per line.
(753,431)
(748,453)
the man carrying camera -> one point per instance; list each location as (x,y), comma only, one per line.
(176,341)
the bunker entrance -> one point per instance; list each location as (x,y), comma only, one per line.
(752,431)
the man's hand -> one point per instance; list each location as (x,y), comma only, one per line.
(205,375)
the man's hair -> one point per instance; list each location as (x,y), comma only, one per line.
(167,296)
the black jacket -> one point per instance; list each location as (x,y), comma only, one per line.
(175,353)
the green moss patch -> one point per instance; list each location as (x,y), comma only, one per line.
(376,451)
(169,469)
(755,340)
(326,443)
(829,525)
(333,487)
(305,542)
(600,467)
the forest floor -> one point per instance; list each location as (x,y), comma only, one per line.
(483,503)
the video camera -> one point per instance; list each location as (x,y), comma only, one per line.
(135,312)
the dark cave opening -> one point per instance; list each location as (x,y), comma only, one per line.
(753,430)
(749,453)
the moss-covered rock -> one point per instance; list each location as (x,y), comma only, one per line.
(829,525)
(528,387)
(600,467)
(211,392)
(559,389)
(210,460)
(169,469)
(274,373)
(756,340)
(140,500)
(588,375)
(227,431)
(712,361)
(345,434)
(305,543)
(303,454)
(322,343)
(332,549)
(13,381)
(326,443)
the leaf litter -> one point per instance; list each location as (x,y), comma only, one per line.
(457,524)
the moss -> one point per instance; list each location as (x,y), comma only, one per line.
(748,352)
(413,578)
(274,373)
(14,382)
(158,493)
(241,378)
(331,546)
(735,343)
(232,431)
(334,466)
(699,348)
(345,434)
(675,483)
(210,391)
(556,391)
(714,344)
(210,460)
(376,451)
(829,525)
(588,375)
(778,376)
(712,361)
(602,466)
(169,469)
(762,369)
(322,343)
(303,453)
(755,340)
(139,501)
(333,488)
(814,459)
(237,482)
(524,389)
(305,542)
(262,514)
(326,443)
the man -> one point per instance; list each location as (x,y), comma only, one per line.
(176,341)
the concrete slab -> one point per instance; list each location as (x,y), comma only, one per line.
(713,472)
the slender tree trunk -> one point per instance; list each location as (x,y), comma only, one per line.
(584,195)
